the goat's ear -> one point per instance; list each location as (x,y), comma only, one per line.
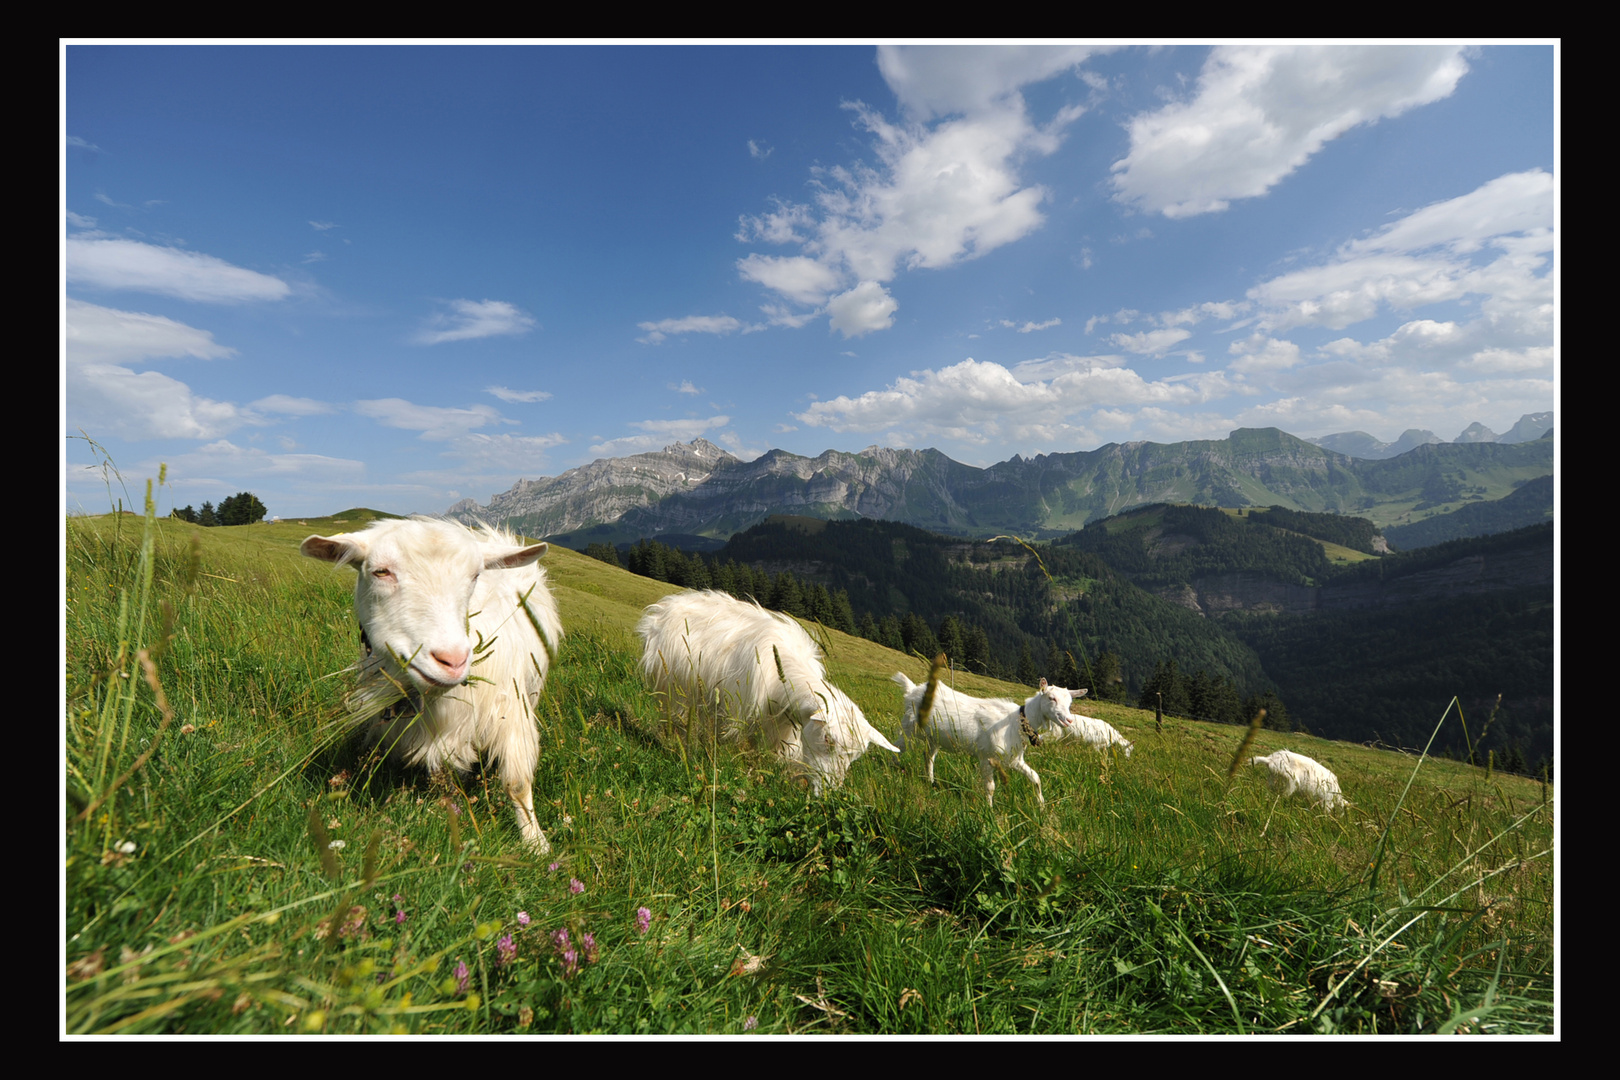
(333,549)
(1043,684)
(1082,692)
(516,557)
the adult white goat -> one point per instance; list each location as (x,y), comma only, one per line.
(1296,774)
(708,654)
(986,728)
(428,596)
(1097,733)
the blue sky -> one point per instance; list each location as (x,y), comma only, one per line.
(402,276)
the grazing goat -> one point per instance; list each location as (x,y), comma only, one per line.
(1097,733)
(709,654)
(987,728)
(457,631)
(1291,774)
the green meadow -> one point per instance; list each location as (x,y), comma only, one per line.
(235,865)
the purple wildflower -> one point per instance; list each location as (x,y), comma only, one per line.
(559,939)
(462,975)
(399,917)
(553,867)
(507,950)
(570,963)
(589,944)
(576,886)
(523,918)
(751,1023)
(643,919)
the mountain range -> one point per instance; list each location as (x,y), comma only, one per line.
(699,489)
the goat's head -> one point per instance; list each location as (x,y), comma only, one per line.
(1049,708)
(835,735)
(413,593)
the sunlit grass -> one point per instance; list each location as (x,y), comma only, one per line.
(253,874)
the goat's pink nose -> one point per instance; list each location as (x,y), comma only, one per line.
(452,660)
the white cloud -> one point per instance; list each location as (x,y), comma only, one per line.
(777,315)
(470,319)
(1260,111)
(1150,342)
(80,221)
(690,324)
(236,465)
(106,263)
(1031,327)
(939,80)
(517,396)
(432,421)
(865,308)
(945,188)
(1431,256)
(1258,353)
(112,399)
(322,226)
(686,387)
(663,433)
(1513,203)
(291,406)
(759,150)
(81,144)
(802,280)
(503,453)
(98,334)
(979,402)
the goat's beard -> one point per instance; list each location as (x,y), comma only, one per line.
(380,693)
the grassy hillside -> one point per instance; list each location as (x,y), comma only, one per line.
(233,867)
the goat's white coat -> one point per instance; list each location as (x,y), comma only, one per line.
(986,728)
(709,654)
(427,593)
(1097,733)
(1296,774)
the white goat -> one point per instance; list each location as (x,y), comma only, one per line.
(427,594)
(708,654)
(987,728)
(1292,773)
(1097,733)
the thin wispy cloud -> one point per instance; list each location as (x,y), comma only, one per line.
(517,397)
(129,265)
(1031,327)
(661,433)
(468,320)
(429,421)
(690,324)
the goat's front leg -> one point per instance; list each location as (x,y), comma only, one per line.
(1023,766)
(987,771)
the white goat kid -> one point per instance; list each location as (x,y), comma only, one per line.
(986,728)
(710,655)
(1099,734)
(428,593)
(1295,774)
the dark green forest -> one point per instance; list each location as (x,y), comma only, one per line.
(1169,545)
(1075,611)
(1531,504)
